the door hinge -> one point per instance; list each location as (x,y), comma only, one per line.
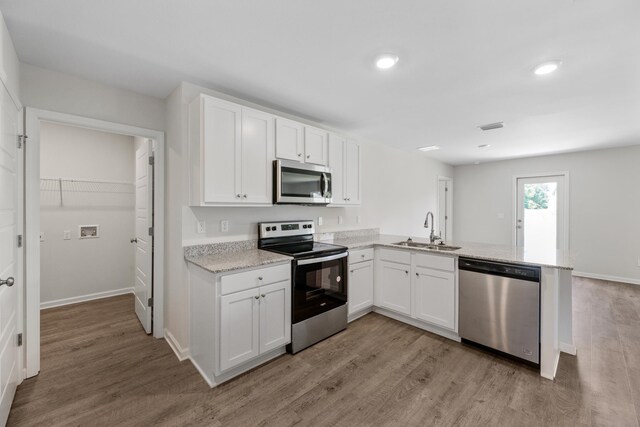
(446,189)
(152,160)
(19,240)
(150,302)
(19,340)
(22,139)
(151,231)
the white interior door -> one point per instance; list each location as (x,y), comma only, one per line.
(144,239)
(541,213)
(9,290)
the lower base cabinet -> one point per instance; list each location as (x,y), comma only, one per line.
(394,287)
(435,297)
(360,286)
(238,319)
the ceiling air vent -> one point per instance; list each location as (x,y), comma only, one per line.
(492,126)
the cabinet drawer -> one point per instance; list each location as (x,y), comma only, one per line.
(250,279)
(360,255)
(394,255)
(439,262)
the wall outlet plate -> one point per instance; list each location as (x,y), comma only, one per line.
(224,225)
(319,220)
(339,219)
(66,234)
(201,227)
(42,236)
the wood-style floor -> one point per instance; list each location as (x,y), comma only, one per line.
(99,368)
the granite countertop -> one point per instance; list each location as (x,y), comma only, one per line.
(223,257)
(554,259)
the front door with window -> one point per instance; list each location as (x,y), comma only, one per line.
(540,215)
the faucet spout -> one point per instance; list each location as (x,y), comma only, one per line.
(432,237)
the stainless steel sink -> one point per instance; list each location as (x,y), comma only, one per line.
(432,246)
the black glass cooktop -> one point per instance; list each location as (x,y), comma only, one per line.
(304,249)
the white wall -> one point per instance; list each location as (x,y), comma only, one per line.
(604,230)
(398,189)
(63,93)
(9,65)
(77,268)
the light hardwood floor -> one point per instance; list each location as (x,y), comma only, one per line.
(99,368)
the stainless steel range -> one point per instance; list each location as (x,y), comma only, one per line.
(319,280)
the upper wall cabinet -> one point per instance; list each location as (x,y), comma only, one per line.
(231,149)
(289,140)
(305,144)
(344,161)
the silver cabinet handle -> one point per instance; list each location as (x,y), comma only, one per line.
(260,278)
(418,275)
(238,195)
(352,271)
(362,255)
(134,240)
(257,297)
(308,156)
(406,272)
(263,295)
(9,281)
(245,196)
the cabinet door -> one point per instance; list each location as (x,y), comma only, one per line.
(315,146)
(221,123)
(289,140)
(336,163)
(360,286)
(352,172)
(239,328)
(257,153)
(393,288)
(275,315)
(435,297)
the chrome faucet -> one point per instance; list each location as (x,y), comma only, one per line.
(432,236)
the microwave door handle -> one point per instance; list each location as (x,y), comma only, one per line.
(325,184)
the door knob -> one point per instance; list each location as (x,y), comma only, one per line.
(9,282)
(134,240)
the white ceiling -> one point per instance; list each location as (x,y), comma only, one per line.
(462,63)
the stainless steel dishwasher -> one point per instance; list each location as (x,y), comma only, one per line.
(500,307)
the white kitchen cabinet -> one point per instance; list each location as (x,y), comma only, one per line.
(230,152)
(435,297)
(238,319)
(393,286)
(315,146)
(275,316)
(239,328)
(289,140)
(360,287)
(344,161)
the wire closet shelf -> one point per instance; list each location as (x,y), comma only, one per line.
(85,186)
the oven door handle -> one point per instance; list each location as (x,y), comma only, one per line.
(322,259)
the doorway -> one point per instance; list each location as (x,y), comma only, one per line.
(445,208)
(542,212)
(117,202)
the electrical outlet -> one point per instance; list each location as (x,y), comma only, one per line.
(42,236)
(639,261)
(319,220)
(224,225)
(339,219)
(357,219)
(201,227)
(67,234)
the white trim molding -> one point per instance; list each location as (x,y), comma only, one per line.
(607,277)
(84,298)
(32,220)
(181,353)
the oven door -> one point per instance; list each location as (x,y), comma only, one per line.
(320,285)
(297,183)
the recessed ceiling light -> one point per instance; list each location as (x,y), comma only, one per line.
(546,68)
(484,145)
(429,148)
(386,61)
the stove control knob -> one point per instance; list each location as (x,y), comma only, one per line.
(274,228)
(268,228)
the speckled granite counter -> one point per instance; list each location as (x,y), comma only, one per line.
(223,257)
(518,255)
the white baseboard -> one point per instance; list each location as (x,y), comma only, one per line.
(568,348)
(181,353)
(84,298)
(606,277)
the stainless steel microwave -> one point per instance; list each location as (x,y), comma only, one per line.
(300,184)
